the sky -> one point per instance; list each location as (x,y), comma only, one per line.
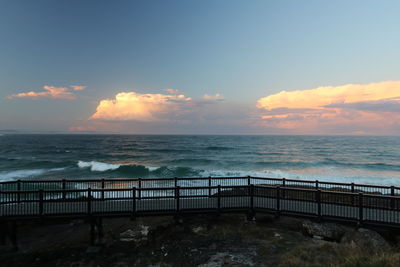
(200,67)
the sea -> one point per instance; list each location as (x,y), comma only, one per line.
(359,159)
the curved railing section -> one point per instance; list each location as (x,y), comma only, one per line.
(367,204)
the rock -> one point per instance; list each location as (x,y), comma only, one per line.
(328,231)
(135,235)
(397,240)
(93,250)
(198,229)
(366,239)
(76,222)
(228,259)
(277,235)
(317,237)
(213,246)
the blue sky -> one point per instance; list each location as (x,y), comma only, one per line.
(243,50)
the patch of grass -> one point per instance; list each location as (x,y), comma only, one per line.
(333,254)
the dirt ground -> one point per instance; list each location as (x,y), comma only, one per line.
(207,240)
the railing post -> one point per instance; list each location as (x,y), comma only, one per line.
(102,188)
(278,200)
(64,186)
(175,181)
(133,201)
(177,197)
(219,199)
(248,180)
(41,202)
(140,188)
(252,198)
(392,194)
(19,191)
(209,186)
(283,185)
(89,201)
(316,184)
(352,191)
(318,198)
(360,208)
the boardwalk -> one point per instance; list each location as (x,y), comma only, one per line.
(95,199)
(170,206)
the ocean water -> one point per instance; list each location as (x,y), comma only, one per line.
(359,159)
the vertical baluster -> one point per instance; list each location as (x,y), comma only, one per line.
(19,191)
(140,188)
(318,196)
(177,198)
(219,199)
(209,186)
(102,188)
(89,201)
(63,189)
(360,208)
(41,202)
(133,201)
(278,200)
(392,194)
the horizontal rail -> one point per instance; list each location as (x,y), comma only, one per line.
(282,181)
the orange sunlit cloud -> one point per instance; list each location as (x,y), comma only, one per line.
(354,108)
(141,107)
(52,92)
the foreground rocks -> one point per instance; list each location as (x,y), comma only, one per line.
(361,238)
(326,231)
(227,240)
(366,239)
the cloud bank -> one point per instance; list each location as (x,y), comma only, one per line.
(349,109)
(133,112)
(52,92)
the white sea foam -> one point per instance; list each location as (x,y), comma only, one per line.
(98,166)
(12,175)
(328,174)
(152,168)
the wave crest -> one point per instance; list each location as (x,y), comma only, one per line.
(98,166)
(12,175)
(134,170)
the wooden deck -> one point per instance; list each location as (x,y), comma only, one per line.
(96,199)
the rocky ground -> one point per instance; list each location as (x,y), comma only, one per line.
(227,240)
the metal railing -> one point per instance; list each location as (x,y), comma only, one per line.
(23,185)
(137,197)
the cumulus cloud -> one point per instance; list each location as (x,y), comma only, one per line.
(322,96)
(353,108)
(142,107)
(52,92)
(217,97)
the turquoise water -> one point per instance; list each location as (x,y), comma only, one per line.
(373,160)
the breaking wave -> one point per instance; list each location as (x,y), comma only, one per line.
(13,175)
(135,170)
